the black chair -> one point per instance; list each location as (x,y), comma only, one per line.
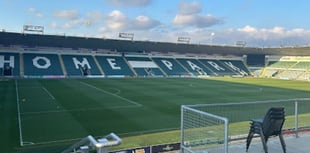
(270,125)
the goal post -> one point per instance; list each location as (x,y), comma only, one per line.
(202,131)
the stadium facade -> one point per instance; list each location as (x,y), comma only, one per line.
(54,56)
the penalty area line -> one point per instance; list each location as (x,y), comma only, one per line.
(49,94)
(109,93)
(78,110)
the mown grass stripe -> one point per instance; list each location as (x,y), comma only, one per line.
(109,93)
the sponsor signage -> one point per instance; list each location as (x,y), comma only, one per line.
(126,35)
(165,148)
(152,149)
(135,150)
(33,28)
(184,39)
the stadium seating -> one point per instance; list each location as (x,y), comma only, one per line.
(293,69)
(302,65)
(72,63)
(80,65)
(237,66)
(76,64)
(217,67)
(171,67)
(144,66)
(281,64)
(194,66)
(114,66)
(9,64)
(172,59)
(42,65)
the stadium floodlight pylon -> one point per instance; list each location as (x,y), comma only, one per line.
(90,143)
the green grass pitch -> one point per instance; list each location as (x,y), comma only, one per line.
(53,113)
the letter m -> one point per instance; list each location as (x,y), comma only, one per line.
(79,64)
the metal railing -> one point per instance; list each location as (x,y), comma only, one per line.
(239,115)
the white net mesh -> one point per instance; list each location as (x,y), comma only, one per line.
(202,131)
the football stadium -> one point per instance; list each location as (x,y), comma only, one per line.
(57,90)
(78,94)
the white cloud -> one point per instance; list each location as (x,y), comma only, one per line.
(118,21)
(54,25)
(143,23)
(74,23)
(72,19)
(31,10)
(200,21)
(275,36)
(188,16)
(94,17)
(189,8)
(263,34)
(129,3)
(35,12)
(247,29)
(67,14)
(253,36)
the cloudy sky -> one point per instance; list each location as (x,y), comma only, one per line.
(262,23)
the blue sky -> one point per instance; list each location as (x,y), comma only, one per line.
(259,23)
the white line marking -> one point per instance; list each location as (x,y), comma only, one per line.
(76,139)
(48,93)
(117,91)
(149,131)
(77,110)
(28,143)
(52,142)
(18,114)
(112,94)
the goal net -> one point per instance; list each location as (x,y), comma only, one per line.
(202,131)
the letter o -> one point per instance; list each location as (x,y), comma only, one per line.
(37,65)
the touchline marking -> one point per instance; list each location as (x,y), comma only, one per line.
(112,94)
(77,110)
(18,114)
(149,131)
(75,139)
(48,93)
(51,142)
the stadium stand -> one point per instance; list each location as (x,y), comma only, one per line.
(281,64)
(114,66)
(218,68)
(144,66)
(170,67)
(237,66)
(42,65)
(287,67)
(80,65)
(37,55)
(9,64)
(194,66)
